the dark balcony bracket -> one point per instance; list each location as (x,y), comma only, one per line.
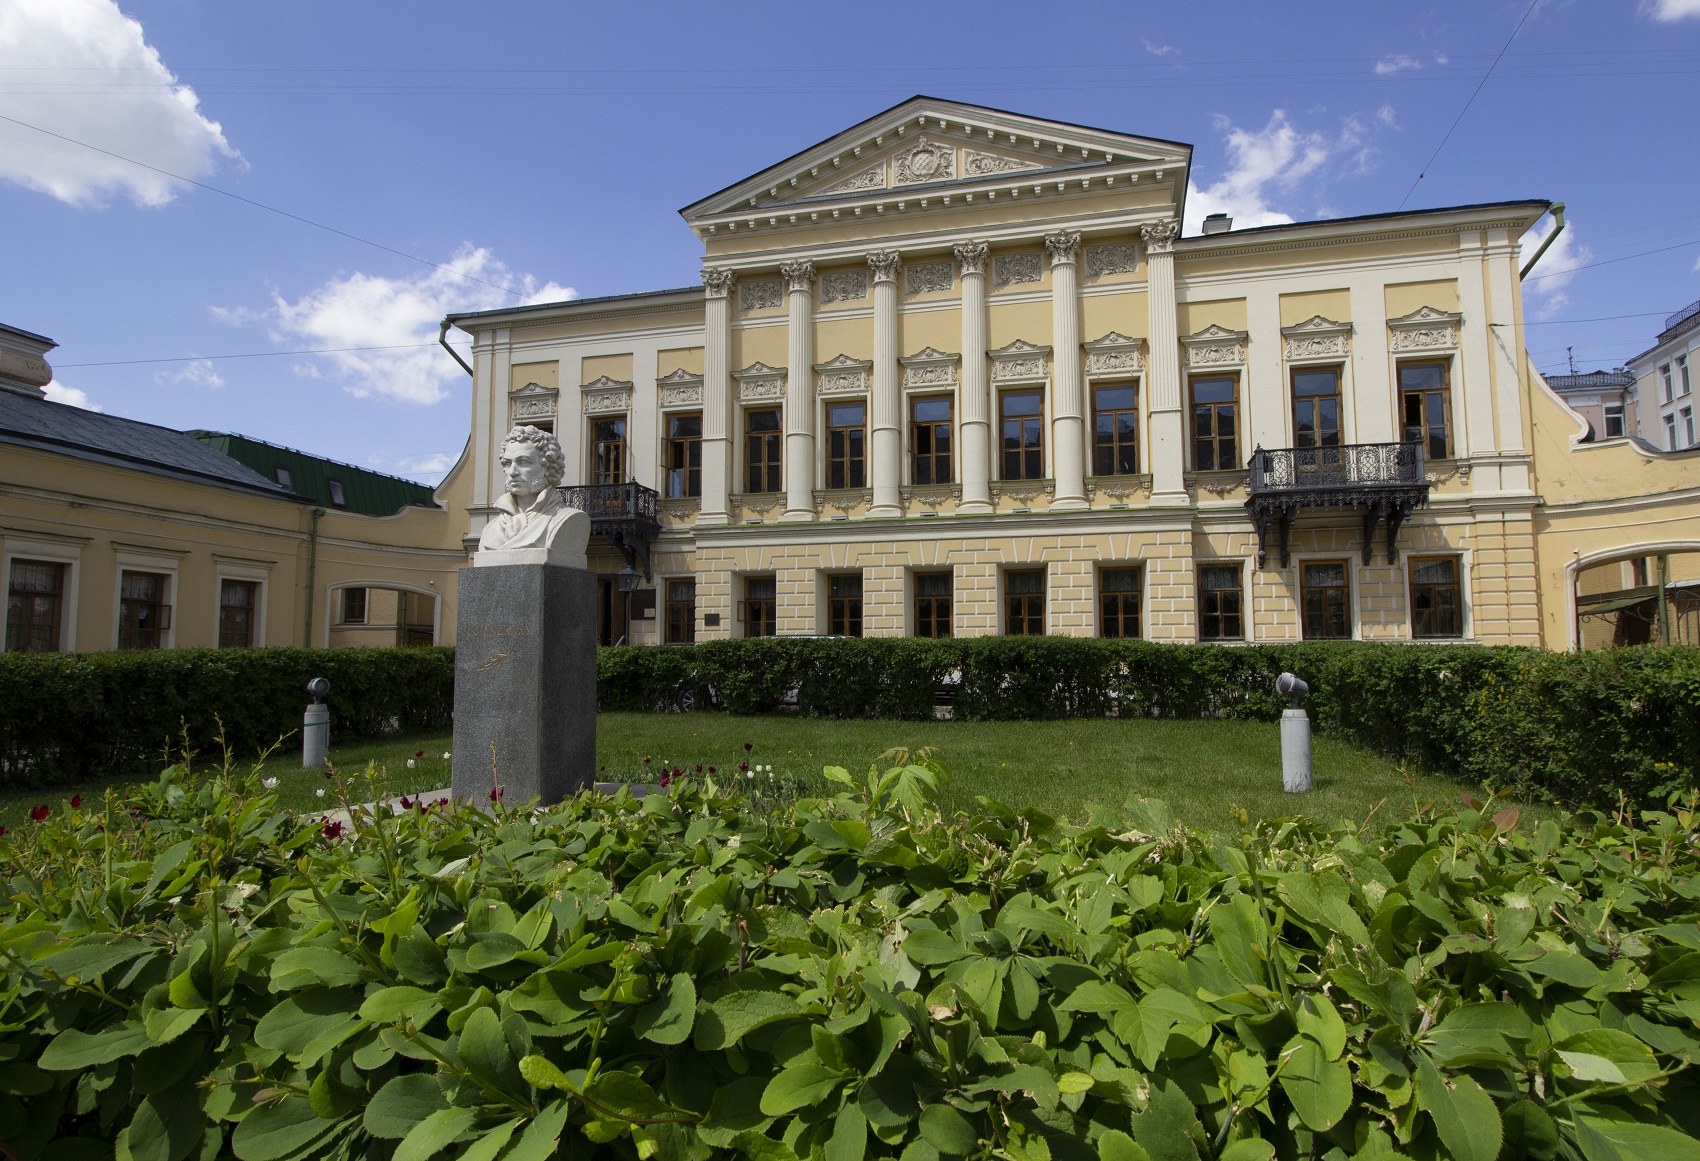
(1385,480)
(623,514)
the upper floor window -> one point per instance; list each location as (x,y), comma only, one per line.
(929,440)
(608,451)
(1215,422)
(763,445)
(144,614)
(1665,382)
(1022,415)
(1670,431)
(1115,429)
(1687,421)
(339,498)
(282,476)
(846,445)
(1426,405)
(1614,420)
(684,455)
(35,599)
(237,601)
(1316,407)
(1683,386)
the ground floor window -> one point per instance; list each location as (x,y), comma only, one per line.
(144,614)
(844,605)
(681,612)
(35,601)
(1220,603)
(1325,597)
(353,606)
(761,607)
(237,601)
(1118,603)
(1436,607)
(932,604)
(1024,602)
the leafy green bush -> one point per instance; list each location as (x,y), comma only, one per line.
(71,715)
(192,972)
(1585,728)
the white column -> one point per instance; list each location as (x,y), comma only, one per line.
(799,392)
(1168,418)
(973,409)
(1068,425)
(716,397)
(885,410)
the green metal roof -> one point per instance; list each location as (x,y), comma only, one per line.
(362,490)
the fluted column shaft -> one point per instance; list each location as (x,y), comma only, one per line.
(885,411)
(1068,425)
(973,407)
(799,391)
(1167,419)
(716,398)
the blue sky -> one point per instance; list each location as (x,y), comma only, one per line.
(543,149)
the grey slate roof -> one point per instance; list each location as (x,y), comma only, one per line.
(128,443)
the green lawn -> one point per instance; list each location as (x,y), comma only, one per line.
(1203,769)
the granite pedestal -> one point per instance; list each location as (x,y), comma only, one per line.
(525,682)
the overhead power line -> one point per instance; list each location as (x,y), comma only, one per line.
(269,209)
(247,355)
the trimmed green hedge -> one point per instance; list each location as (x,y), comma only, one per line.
(1582,727)
(70,715)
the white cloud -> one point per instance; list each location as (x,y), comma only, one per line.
(197,373)
(83,69)
(1556,268)
(402,314)
(1397,63)
(1669,11)
(1260,163)
(1161,49)
(57,392)
(428,468)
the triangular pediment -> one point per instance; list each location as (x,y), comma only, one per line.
(677,377)
(534,389)
(927,143)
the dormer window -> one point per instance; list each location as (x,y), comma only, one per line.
(284,479)
(338,499)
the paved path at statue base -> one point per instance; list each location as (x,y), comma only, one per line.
(525,682)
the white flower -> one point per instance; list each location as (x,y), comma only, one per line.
(269,783)
(319,793)
(445,755)
(749,774)
(410,763)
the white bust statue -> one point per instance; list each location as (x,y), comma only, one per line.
(533,524)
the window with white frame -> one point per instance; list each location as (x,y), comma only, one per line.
(1614,420)
(147,595)
(1686,417)
(41,595)
(1670,431)
(1665,382)
(1683,386)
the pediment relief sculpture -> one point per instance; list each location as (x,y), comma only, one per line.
(1214,346)
(930,367)
(1426,329)
(1318,338)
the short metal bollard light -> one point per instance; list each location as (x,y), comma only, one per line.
(1295,736)
(316,726)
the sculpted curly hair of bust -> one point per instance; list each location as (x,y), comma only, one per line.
(554,460)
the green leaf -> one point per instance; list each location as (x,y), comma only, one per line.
(759,1148)
(735,1107)
(485,1053)
(88,960)
(1633,1059)
(1247,1149)
(1604,1140)
(541,1136)
(485,1148)
(1241,936)
(930,947)
(305,967)
(166,1024)
(1116,1145)
(1320,1089)
(948,1131)
(1072,1083)
(629,1098)
(74,1050)
(1567,968)
(1529,1131)
(798,1087)
(273,1132)
(165,1128)
(1324,900)
(540,1072)
(307,1016)
(1168,1129)
(1464,1114)
(1317,1019)
(849,1140)
(393,1005)
(1587,1066)
(667,1019)
(839,775)
(727,1020)
(402,1104)
(434,1134)
(1096,996)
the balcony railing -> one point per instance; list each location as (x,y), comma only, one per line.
(623,513)
(1385,480)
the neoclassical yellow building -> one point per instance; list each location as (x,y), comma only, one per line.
(954,371)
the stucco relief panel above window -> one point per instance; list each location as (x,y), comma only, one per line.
(759,383)
(1115,354)
(1426,329)
(1317,338)
(843,286)
(930,368)
(1019,362)
(761,294)
(1215,346)
(1016,269)
(928,277)
(533,401)
(680,389)
(604,396)
(843,375)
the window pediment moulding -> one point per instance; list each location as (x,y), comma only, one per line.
(680,389)
(1019,362)
(604,395)
(930,368)
(1114,354)
(842,375)
(759,383)
(1426,329)
(1215,346)
(533,401)
(1317,338)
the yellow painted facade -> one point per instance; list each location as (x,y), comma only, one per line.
(946,253)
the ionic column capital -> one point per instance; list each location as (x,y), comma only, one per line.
(717,281)
(1063,247)
(971,256)
(884,264)
(799,276)
(1160,236)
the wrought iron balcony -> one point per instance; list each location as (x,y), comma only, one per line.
(623,513)
(1386,480)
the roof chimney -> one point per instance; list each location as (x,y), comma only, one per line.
(1218,224)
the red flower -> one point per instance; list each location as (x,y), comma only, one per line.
(39,813)
(646,761)
(419,753)
(495,793)
(699,767)
(743,767)
(406,802)
(327,773)
(76,801)
(665,780)
(711,769)
(3,832)
(333,830)
(748,746)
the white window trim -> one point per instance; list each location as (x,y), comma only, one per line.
(59,550)
(164,561)
(256,571)
(1683,378)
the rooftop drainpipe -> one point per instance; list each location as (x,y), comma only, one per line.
(443,339)
(1557,212)
(312,570)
